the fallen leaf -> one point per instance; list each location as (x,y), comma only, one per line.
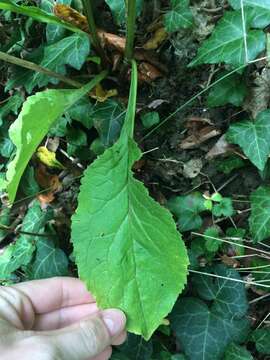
(45,199)
(47,180)
(230,261)
(48,158)
(71,15)
(192,168)
(159,36)
(199,137)
(221,147)
(102,95)
(147,72)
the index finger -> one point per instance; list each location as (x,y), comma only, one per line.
(54,293)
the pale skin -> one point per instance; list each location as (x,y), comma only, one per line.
(56,319)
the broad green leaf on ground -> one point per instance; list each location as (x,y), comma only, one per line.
(259,220)
(28,185)
(204,331)
(108,118)
(72,50)
(134,260)
(21,251)
(179,17)
(223,208)
(228,297)
(53,32)
(37,14)
(150,119)
(187,209)
(226,44)
(12,105)
(261,337)
(118,9)
(253,137)
(237,352)
(231,90)
(82,111)
(260,10)
(229,164)
(33,124)
(49,261)
(136,348)
(211,244)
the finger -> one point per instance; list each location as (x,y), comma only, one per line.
(88,338)
(64,317)
(51,294)
(120,339)
(105,355)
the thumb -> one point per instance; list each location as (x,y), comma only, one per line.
(87,338)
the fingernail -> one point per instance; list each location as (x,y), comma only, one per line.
(115,321)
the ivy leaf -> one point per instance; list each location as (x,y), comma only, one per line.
(187,210)
(237,352)
(71,51)
(108,118)
(180,17)
(259,220)
(260,11)
(205,331)
(135,348)
(53,32)
(230,90)
(150,119)
(118,9)
(261,337)
(12,105)
(33,124)
(82,111)
(134,260)
(226,44)
(28,185)
(229,297)
(49,261)
(253,138)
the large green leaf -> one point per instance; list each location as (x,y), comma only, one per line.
(253,137)
(118,9)
(126,245)
(237,352)
(12,105)
(36,14)
(260,10)
(49,261)
(179,17)
(33,124)
(204,331)
(136,348)
(259,221)
(72,50)
(226,44)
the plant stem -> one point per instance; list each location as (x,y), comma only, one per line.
(87,5)
(131,19)
(32,66)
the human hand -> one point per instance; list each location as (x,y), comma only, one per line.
(56,319)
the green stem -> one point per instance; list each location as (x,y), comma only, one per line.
(88,9)
(131,19)
(32,66)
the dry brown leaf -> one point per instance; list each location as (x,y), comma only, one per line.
(70,15)
(221,147)
(147,72)
(229,261)
(47,180)
(45,199)
(159,36)
(199,137)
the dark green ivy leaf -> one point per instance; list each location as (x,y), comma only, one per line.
(261,337)
(237,352)
(259,221)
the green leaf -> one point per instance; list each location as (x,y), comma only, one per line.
(226,44)
(49,261)
(82,111)
(28,185)
(259,220)
(253,138)
(229,164)
(180,17)
(187,209)
(261,337)
(53,32)
(150,119)
(33,124)
(228,297)
(204,331)
(224,208)
(212,245)
(72,50)
(136,348)
(108,118)
(12,105)
(237,352)
(36,14)
(260,10)
(118,9)
(231,90)
(130,259)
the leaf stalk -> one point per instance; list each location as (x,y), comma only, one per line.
(131,20)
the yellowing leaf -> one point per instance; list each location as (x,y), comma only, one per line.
(70,15)
(102,95)
(156,40)
(48,158)
(133,258)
